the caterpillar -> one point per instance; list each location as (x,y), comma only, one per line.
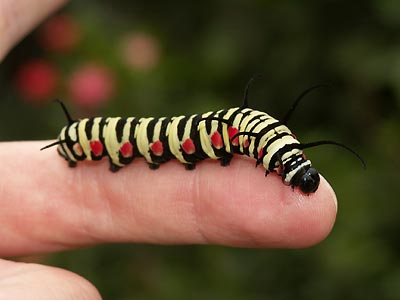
(217,135)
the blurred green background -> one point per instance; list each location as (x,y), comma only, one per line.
(147,58)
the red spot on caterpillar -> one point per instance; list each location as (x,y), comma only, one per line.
(232,131)
(188,146)
(246,143)
(294,136)
(260,153)
(216,140)
(96,147)
(126,150)
(77,149)
(279,170)
(157,148)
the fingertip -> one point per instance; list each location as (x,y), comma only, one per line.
(305,220)
(315,217)
(235,206)
(254,211)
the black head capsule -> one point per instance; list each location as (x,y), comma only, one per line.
(307,180)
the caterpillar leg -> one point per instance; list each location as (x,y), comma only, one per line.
(258,162)
(225,161)
(281,168)
(153,166)
(72,164)
(114,168)
(190,166)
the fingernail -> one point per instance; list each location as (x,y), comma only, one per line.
(335,200)
(333,196)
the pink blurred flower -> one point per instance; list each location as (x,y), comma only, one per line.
(59,34)
(140,51)
(91,85)
(37,80)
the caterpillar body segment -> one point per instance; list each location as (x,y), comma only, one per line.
(189,139)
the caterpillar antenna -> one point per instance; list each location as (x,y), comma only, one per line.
(246,91)
(326,142)
(289,113)
(52,145)
(64,108)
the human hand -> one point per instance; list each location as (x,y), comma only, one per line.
(46,206)
(18,17)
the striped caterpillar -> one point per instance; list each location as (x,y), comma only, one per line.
(190,139)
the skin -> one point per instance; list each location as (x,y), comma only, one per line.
(47,207)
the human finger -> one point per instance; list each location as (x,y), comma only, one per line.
(46,206)
(18,17)
(19,281)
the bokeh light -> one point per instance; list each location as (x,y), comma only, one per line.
(91,85)
(60,33)
(36,80)
(140,50)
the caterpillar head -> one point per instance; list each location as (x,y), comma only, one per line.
(307,180)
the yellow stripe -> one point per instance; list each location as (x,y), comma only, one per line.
(127,129)
(72,132)
(157,129)
(225,134)
(64,148)
(173,141)
(83,140)
(278,144)
(96,129)
(141,138)
(110,138)
(205,139)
